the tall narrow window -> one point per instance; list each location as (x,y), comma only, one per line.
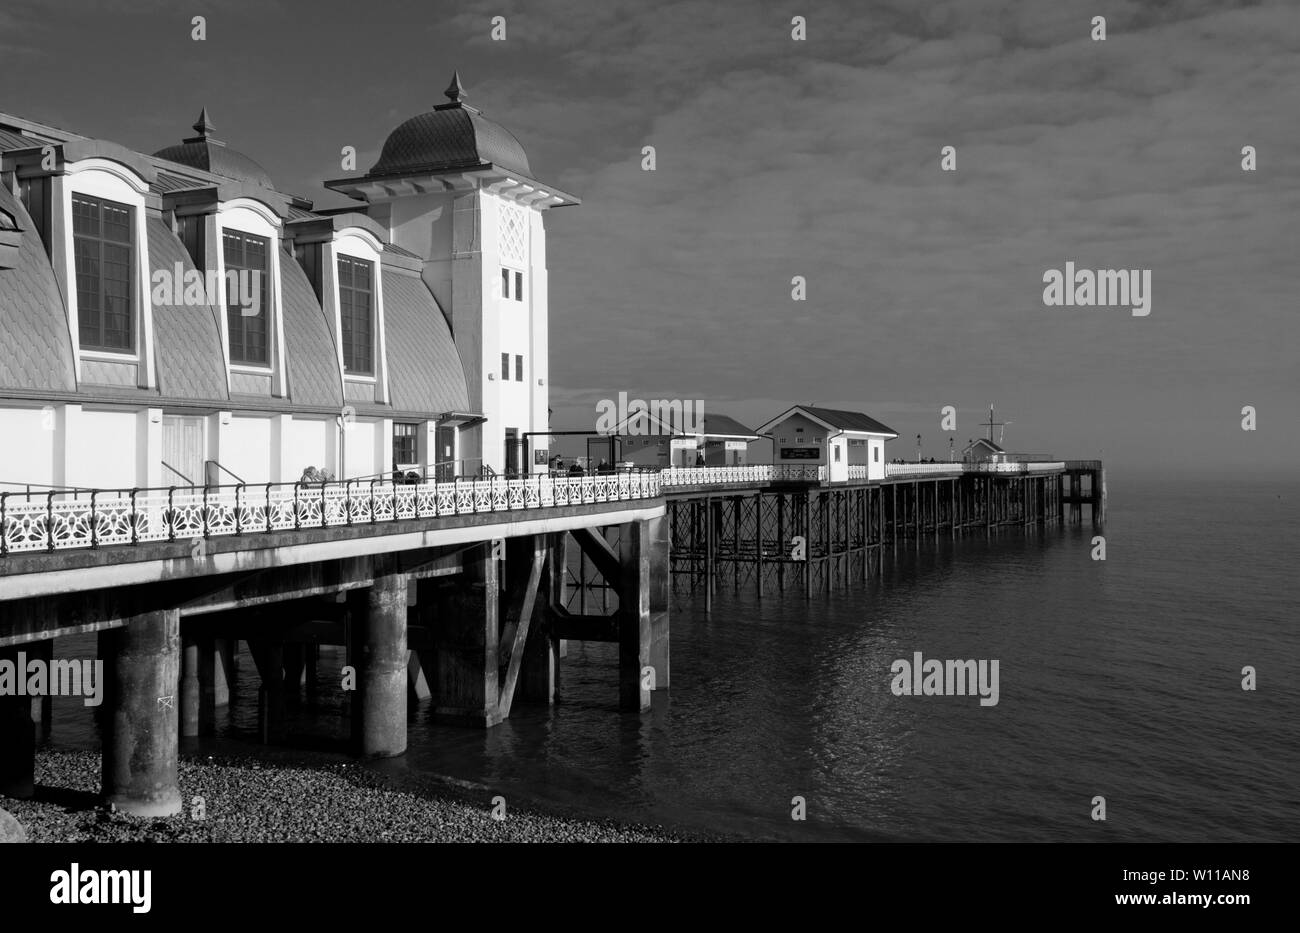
(519,286)
(519,368)
(505,283)
(357,310)
(405,449)
(101,234)
(505,365)
(249,257)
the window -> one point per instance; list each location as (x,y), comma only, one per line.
(247,254)
(405,447)
(101,240)
(505,365)
(357,312)
(836,447)
(817,440)
(519,368)
(875,454)
(506,275)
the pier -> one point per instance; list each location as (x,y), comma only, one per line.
(447,591)
(781,528)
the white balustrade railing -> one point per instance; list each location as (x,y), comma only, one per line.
(58,520)
(756,473)
(922,469)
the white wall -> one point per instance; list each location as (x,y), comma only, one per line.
(306,443)
(245,450)
(100,449)
(360,445)
(27,452)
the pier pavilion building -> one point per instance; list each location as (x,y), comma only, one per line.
(645,439)
(407,330)
(807,436)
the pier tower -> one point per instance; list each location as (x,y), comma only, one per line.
(455,189)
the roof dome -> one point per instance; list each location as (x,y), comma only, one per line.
(206,152)
(450,136)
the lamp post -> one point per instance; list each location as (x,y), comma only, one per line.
(918,448)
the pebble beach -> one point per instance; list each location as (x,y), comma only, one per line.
(247,800)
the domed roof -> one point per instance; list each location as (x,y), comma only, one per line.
(210,154)
(450,136)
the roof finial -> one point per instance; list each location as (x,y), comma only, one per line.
(455,91)
(204,127)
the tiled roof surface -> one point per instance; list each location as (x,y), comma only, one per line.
(187,338)
(311,356)
(723,425)
(298,213)
(424,370)
(35,347)
(166,183)
(455,137)
(11,139)
(849,420)
(399,251)
(214,157)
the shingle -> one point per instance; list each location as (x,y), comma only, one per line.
(449,137)
(425,373)
(187,337)
(719,425)
(310,352)
(849,420)
(35,346)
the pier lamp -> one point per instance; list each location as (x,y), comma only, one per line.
(918,448)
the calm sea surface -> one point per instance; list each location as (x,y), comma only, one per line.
(1119,678)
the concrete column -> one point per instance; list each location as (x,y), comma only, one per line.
(43,706)
(539,671)
(215,669)
(467,636)
(660,583)
(634,616)
(191,691)
(17,738)
(139,755)
(381,675)
(269,657)
(295,665)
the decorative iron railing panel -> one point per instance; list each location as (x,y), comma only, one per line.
(61,520)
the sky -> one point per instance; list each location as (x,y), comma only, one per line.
(819,158)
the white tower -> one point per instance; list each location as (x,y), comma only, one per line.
(456,190)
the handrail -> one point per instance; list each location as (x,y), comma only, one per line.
(231,473)
(147,515)
(188,481)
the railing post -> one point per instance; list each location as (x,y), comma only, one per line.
(324,518)
(205,511)
(297,518)
(267,513)
(239,518)
(347,499)
(135,539)
(49,520)
(171,514)
(94,530)
(4,537)
(372,502)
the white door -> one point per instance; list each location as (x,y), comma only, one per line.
(839,460)
(183,450)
